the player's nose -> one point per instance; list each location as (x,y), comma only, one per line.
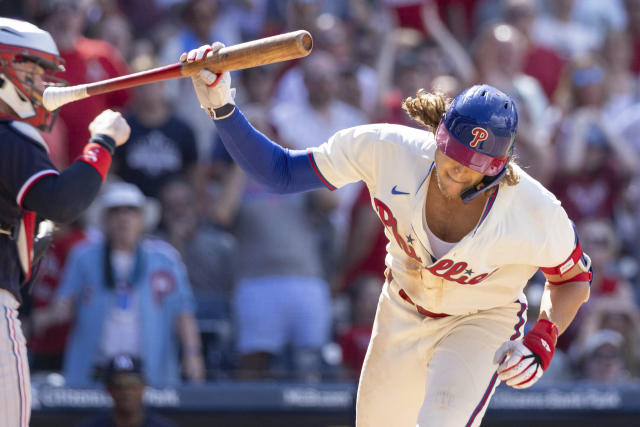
(457,171)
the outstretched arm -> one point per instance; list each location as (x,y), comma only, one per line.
(279,169)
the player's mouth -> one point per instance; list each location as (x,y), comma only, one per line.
(455,180)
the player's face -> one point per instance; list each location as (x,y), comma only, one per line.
(30,74)
(124,226)
(453,177)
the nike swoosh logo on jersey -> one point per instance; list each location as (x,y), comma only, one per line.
(395,190)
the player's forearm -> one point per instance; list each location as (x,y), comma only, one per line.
(560,303)
(189,334)
(192,357)
(60,311)
(280,169)
(224,209)
(62,198)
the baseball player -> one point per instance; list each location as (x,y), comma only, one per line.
(32,189)
(467,228)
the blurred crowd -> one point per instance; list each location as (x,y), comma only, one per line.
(189,266)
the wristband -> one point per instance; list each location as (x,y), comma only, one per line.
(98,157)
(106,141)
(541,340)
(223,112)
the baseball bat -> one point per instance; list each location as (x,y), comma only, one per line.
(268,50)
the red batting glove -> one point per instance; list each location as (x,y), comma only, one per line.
(523,362)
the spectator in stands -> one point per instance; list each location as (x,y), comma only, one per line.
(201,22)
(258,85)
(601,359)
(86,60)
(47,346)
(209,253)
(162,145)
(601,18)
(115,29)
(621,83)
(598,238)
(320,114)
(145,15)
(598,161)
(499,55)
(317,118)
(338,38)
(632,8)
(127,294)
(125,382)
(452,53)
(617,314)
(540,62)
(365,247)
(364,293)
(281,298)
(406,73)
(562,33)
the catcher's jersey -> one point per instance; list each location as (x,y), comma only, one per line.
(522,228)
(23,162)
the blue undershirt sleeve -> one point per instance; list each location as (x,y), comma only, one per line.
(280,169)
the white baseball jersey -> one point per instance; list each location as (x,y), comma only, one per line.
(522,228)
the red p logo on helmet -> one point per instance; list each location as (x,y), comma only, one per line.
(480,134)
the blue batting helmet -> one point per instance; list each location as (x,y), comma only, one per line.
(479,128)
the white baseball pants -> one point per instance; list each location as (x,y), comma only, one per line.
(15,385)
(431,372)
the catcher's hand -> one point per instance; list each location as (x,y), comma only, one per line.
(523,362)
(213,90)
(112,124)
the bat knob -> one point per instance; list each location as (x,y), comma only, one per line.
(55,97)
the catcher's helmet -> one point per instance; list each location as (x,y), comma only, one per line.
(22,42)
(479,128)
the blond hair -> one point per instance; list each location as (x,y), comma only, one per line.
(428,109)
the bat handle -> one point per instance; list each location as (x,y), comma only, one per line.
(55,97)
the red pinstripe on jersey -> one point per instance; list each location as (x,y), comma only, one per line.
(317,171)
